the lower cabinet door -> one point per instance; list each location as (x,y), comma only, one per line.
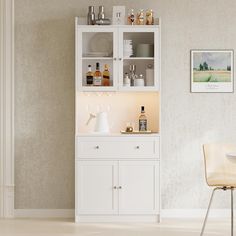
(95,181)
(138,187)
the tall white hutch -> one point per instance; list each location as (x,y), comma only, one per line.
(117,176)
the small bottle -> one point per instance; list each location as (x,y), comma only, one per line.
(142,120)
(140,17)
(149,17)
(89,76)
(97,78)
(101,14)
(91,16)
(106,76)
(132,75)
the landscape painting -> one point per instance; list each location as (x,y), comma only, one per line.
(212,71)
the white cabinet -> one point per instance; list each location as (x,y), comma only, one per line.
(117,175)
(105,44)
(116,186)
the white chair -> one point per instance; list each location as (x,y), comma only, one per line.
(220,172)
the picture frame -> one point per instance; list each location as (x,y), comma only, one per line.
(118,16)
(212,71)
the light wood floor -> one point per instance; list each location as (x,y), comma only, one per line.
(66,227)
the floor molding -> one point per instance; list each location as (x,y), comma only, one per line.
(194,213)
(44,213)
(165,213)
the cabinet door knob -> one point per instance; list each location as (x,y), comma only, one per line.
(119,187)
(137,147)
(115,187)
(120,59)
(96,147)
(114,58)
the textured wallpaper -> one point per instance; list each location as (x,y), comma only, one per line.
(44,93)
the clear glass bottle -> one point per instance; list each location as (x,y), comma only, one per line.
(89,76)
(142,120)
(132,75)
(149,17)
(97,78)
(140,17)
(131,17)
(106,76)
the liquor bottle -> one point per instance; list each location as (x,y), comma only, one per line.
(97,78)
(142,120)
(106,76)
(89,76)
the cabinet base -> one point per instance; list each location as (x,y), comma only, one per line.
(118,218)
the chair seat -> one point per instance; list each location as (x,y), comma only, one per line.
(221,180)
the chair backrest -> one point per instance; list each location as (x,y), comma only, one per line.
(220,164)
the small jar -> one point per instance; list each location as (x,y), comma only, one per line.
(149,17)
(140,17)
(139,81)
(126,80)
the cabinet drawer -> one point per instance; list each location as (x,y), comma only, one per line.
(117,147)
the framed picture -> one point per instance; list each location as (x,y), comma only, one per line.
(118,17)
(212,71)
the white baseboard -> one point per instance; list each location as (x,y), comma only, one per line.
(194,213)
(44,213)
(165,213)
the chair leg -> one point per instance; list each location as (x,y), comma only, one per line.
(232,212)
(208,209)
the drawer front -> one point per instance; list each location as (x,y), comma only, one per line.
(117,147)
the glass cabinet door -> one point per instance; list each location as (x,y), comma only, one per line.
(139,54)
(96,47)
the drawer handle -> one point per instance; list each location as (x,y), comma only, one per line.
(96,147)
(137,147)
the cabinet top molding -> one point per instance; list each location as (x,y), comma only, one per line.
(79,21)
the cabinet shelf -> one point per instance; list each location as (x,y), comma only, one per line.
(138,58)
(97,58)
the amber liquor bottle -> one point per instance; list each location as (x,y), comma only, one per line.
(97,78)
(142,120)
(106,76)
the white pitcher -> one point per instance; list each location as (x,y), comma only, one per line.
(101,125)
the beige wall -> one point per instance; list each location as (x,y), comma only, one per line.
(45,98)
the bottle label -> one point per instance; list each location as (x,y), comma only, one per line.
(89,79)
(142,125)
(97,81)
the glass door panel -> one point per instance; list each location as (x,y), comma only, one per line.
(139,52)
(97,47)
